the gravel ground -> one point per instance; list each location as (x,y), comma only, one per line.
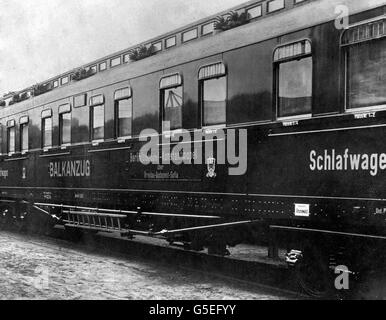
(43,268)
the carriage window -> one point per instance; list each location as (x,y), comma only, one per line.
(47,132)
(365,51)
(123,113)
(11,133)
(213,85)
(255,12)
(65,128)
(207,28)
(189,35)
(157,46)
(65,124)
(98,122)
(115,62)
(275,5)
(294,79)
(24,134)
(93,68)
(126,58)
(55,84)
(170,42)
(172,100)
(64,80)
(102,66)
(97,117)
(24,137)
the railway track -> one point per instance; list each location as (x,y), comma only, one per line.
(256,276)
(247,265)
(252,269)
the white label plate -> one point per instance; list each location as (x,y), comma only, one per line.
(302,210)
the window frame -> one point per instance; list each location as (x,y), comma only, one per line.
(116,114)
(64,109)
(100,64)
(46,114)
(345,53)
(115,59)
(276,10)
(203,34)
(201,95)
(11,124)
(162,90)
(125,58)
(62,83)
(276,68)
(254,7)
(171,46)
(155,49)
(191,39)
(92,67)
(24,124)
(92,106)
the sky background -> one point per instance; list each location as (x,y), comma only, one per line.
(43,38)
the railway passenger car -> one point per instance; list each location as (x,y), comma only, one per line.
(304,83)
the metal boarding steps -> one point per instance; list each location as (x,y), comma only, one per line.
(109,220)
(88,218)
(93,220)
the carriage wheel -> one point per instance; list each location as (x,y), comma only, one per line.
(4,218)
(313,275)
(217,244)
(7,219)
(73,234)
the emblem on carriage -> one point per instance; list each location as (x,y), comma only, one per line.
(211,162)
(24,176)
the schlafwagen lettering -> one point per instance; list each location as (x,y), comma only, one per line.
(76,168)
(332,160)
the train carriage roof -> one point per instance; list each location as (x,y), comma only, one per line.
(269,25)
